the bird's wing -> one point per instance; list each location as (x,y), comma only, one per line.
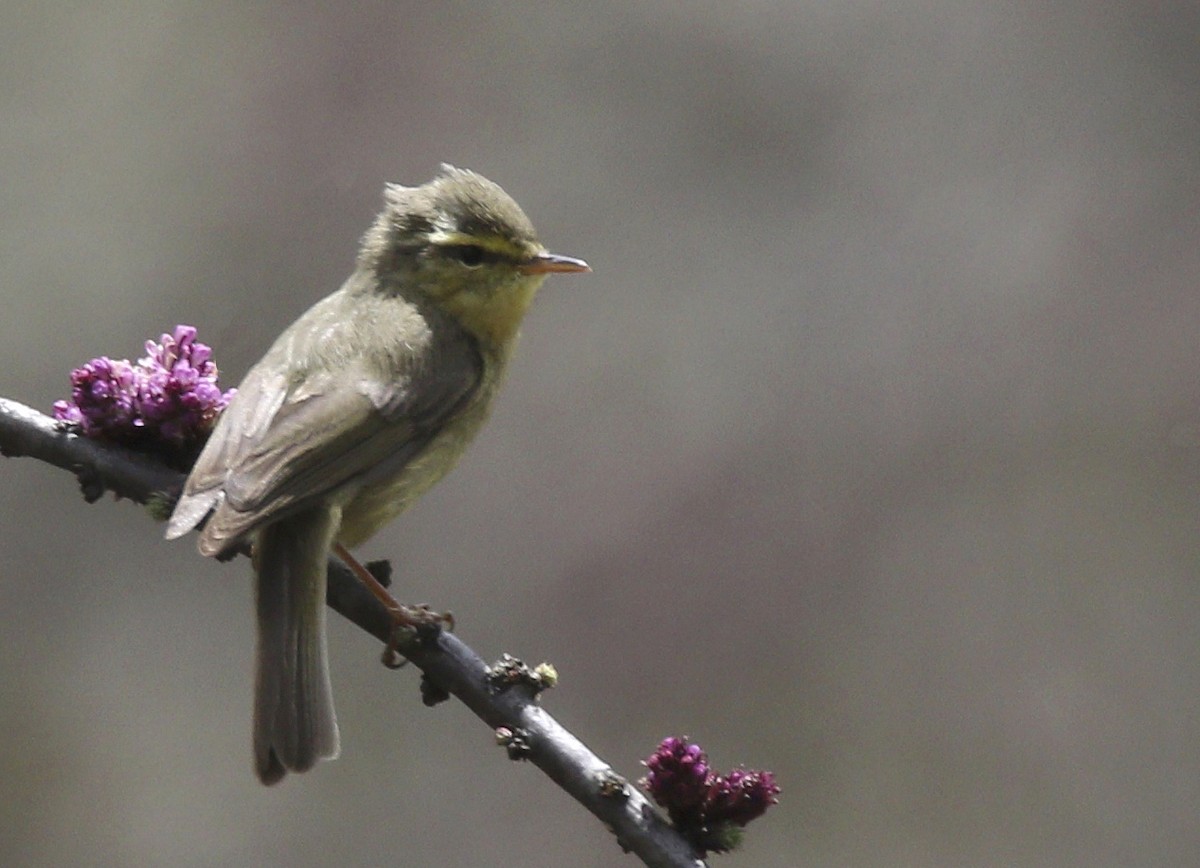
(284,442)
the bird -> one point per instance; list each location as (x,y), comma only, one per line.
(357,409)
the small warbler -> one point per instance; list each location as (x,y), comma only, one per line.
(361,405)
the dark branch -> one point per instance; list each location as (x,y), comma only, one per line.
(446,661)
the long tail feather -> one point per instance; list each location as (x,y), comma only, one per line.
(294,720)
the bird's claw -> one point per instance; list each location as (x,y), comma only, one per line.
(413,622)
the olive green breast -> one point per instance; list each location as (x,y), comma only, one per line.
(376,503)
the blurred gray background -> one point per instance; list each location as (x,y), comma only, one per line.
(869,454)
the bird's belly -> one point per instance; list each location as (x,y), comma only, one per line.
(379,501)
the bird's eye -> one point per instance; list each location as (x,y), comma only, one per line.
(469,255)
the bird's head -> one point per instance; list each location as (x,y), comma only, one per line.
(463,244)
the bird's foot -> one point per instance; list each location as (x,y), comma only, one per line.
(413,623)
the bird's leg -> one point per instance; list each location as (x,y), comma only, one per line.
(420,619)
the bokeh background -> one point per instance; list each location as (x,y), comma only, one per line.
(870,453)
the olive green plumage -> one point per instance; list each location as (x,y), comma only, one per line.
(360,406)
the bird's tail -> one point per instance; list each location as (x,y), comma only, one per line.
(294,720)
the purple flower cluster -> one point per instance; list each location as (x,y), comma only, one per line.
(166,403)
(706,807)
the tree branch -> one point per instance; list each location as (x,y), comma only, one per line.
(447,662)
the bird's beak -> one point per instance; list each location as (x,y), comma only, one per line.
(552,263)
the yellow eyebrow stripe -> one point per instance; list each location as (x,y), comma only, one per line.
(490,243)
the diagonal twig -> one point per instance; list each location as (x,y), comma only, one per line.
(448,663)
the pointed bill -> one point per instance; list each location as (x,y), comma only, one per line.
(552,263)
